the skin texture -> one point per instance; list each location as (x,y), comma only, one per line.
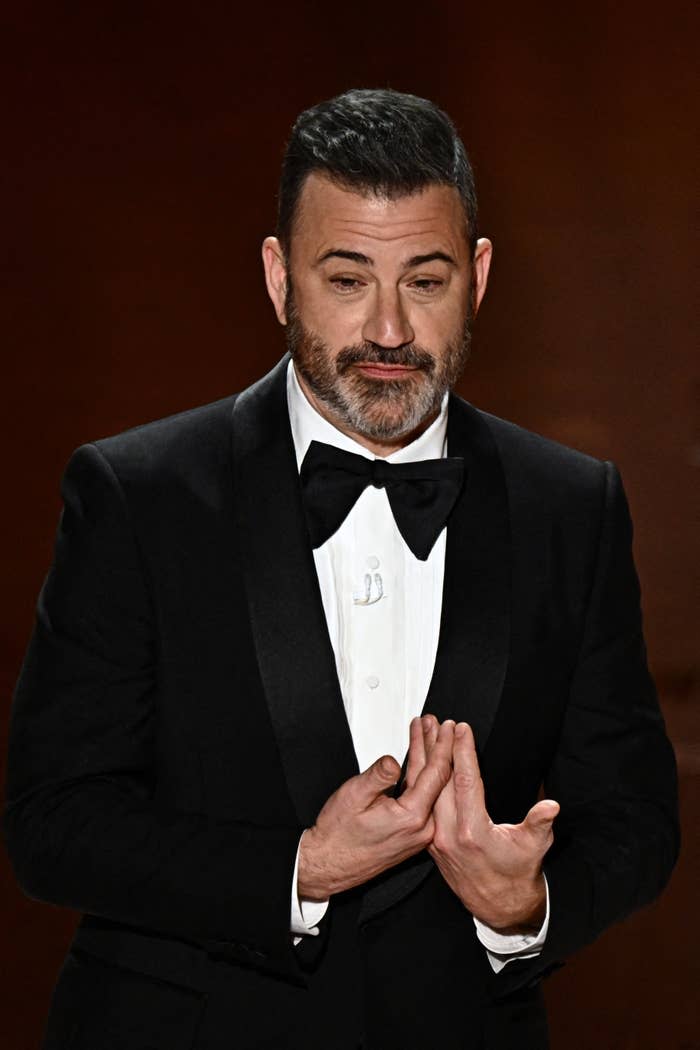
(360,831)
(495,869)
(373,329)
(377,295)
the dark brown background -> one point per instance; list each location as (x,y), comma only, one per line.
(140,158)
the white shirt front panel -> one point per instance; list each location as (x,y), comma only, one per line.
(382,604)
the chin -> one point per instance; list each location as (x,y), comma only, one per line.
(388,426)
(394,422)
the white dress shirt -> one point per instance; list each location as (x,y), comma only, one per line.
(383,607)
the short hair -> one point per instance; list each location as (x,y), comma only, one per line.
(375,141)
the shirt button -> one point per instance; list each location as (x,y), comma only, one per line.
(372,681)
(373,562)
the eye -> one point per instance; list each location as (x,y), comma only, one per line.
(426,285)
(346,284)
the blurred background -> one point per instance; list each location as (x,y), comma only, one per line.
(141,150)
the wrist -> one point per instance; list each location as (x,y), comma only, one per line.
(532,916)
(313,883)
(524,911)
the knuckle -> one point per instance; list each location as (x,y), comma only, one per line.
(465,838)
(413,823)
(426,834)
(444,772)
(440,840)
(465,781)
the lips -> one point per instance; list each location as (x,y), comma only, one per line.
(381,371)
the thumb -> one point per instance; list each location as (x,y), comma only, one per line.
(541,817)
(382,774)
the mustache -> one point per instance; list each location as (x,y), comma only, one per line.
(409,355)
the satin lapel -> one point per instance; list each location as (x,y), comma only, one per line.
(294,652)
(472,654)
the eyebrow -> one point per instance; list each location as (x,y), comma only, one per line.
(339,253)
(420,260)
(364,260)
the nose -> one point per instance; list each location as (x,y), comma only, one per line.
(387,324)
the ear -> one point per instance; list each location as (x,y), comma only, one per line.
(275,275)
(481,264)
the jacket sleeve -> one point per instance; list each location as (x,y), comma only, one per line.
(616,838)
(83,824)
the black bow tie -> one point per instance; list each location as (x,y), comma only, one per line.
(421,494)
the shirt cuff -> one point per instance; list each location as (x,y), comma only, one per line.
(502,948)
(304,914)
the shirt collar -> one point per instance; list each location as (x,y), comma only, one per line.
(309,425)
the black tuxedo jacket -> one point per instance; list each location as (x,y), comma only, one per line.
(178,722)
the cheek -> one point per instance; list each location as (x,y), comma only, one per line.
(435,330)
(337,324)
(437,324)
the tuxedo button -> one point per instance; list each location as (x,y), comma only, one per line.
(373,562)
(372,681)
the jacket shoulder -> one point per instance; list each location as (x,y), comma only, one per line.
(544,467)
(180,435)
(161,462)
(185,452)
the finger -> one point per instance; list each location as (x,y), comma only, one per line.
(445,809)
(431,728)
(444,806)
(376,779)
(426,729)
(435,773)
(416,751)
(539,821)
(468,785)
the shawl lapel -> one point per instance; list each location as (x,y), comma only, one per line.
(294,653)
(472,655)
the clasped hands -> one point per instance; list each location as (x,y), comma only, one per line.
(494,869)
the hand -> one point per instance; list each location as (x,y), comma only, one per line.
(495,869)
(361,832)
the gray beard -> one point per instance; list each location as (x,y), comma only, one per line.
(378,409)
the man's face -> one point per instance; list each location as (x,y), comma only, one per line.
(377,296)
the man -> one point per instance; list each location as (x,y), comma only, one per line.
(251,604)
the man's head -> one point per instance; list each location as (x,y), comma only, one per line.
(376,268)
(375,142)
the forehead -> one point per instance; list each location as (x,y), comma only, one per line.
(329,216)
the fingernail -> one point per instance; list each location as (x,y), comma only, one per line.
(461,729)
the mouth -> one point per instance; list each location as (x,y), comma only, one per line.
(385,371)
